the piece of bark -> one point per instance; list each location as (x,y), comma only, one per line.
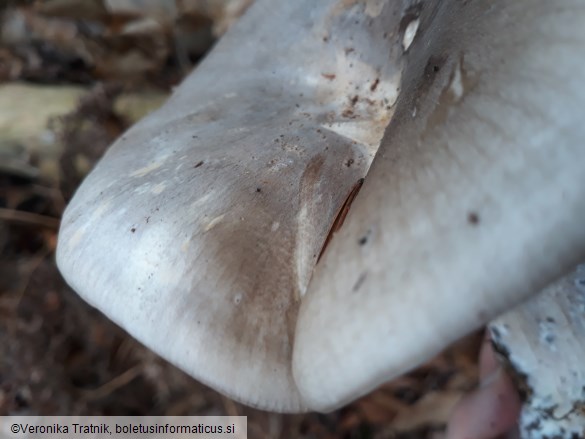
(542,342)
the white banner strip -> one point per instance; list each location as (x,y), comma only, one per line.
(121,427)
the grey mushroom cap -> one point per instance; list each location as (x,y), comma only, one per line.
(474,201)
(200,229)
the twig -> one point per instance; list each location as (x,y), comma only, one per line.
(111,386)
(28,218)
(35,263)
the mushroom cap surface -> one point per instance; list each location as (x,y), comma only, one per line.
(199,229)
(474,201)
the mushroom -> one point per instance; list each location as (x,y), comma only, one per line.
(475,199)
(200,230)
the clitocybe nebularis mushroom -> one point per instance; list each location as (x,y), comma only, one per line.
(474,201)
(200,228)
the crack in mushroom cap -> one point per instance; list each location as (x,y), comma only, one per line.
(475,199)
(198,230)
